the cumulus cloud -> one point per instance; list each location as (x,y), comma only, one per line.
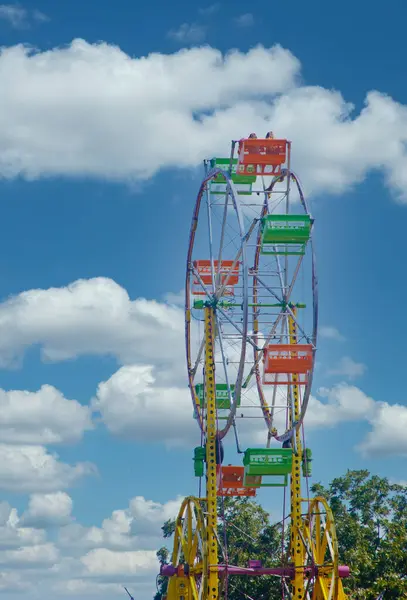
(13,534)
(340,403)
(109,100)
(28,420)
(148,516)
(82,560)
(347,403)
(348,368)
(30,556)
(48,510)
(175,298)
(388,434)
(202,100)
(134,406)
(87,568)
(11,581)
(42,417)
(82,587)
(104,563)
(134,528)
(33,469)
(94,316)
(146,399)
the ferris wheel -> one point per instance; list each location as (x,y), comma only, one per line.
(251,316)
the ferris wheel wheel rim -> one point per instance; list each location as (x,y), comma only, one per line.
(314,508)
(192,504)
(232,192)
(288,173)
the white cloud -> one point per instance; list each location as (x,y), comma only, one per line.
(331,407)
(94,316)
(47,510)
(201,99)
(388,434)
(148,516)
(326,119)
(83,563)
(134,406)
(104,563)
(19,17)
(134,528)
(145,400)
(178,298)
(6,515)
(11,581)
(33,469)
(82,587)
(246,20)
(188,33)
(42,417)
(30,556)
(13,534)
(330,333)
(347,403)
(78,536)
(125,551)
(109,100)
(343,403)
(348,368)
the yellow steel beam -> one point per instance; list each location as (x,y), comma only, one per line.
(297,550)
(211,495)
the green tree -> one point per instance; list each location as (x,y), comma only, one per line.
(371,523)
(245,534)
(163,555)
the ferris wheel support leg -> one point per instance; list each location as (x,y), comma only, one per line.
(210,398)
(297,550)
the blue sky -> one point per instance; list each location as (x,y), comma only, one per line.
(100,157)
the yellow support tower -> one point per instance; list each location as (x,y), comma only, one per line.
(211,491)
(193,573)
(314,532)
(297,550)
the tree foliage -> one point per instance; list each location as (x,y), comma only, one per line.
(246,533)
(163,555)
(371,522)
